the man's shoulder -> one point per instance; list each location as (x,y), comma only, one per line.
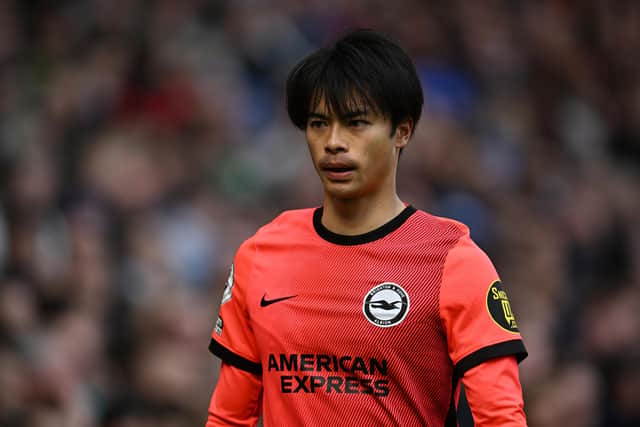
(287,223)
(460,252)
(439,225)
(462,247)
(287,226)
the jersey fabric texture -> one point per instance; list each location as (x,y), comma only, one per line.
(373,329)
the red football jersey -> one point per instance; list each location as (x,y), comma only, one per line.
(373,329)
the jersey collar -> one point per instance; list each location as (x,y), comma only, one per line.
(359,239)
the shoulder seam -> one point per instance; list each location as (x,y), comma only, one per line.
(249,277)
(442,271)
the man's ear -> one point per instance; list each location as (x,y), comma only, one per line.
(403,133)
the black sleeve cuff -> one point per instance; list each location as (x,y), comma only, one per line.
(233,359)
(506,348)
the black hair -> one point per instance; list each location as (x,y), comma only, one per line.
(362,70)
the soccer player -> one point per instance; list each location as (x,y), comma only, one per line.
(366,310)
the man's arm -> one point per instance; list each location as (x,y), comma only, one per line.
(494,393)
(483,339)
(236,400)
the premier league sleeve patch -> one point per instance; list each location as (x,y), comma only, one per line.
(226,294)
(500,309)
(219,326)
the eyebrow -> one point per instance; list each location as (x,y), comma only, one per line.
(355,113)
(349,115)
(314,115)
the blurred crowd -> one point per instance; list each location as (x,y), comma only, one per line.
(142,140)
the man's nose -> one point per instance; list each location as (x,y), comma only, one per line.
(335,141)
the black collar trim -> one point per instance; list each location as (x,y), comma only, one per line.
(359,239)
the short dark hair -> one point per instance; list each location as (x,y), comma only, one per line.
(363,69)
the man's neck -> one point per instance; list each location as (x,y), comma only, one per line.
(358,216)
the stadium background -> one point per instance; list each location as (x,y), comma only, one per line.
(142,141)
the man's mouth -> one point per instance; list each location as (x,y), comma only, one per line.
(338,173)
(338,169)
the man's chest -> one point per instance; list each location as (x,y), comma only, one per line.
(344,301)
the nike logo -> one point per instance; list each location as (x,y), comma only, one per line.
(265,302)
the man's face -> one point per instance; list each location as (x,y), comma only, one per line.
(355,156)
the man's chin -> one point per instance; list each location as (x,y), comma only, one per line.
(342,191)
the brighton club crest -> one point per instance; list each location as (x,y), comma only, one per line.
(386,305)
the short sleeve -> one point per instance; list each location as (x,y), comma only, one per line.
(475,311)
(232,338)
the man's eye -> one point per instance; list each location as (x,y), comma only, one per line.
(316,123)
(357,123)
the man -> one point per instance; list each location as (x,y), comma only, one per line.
(364,311)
